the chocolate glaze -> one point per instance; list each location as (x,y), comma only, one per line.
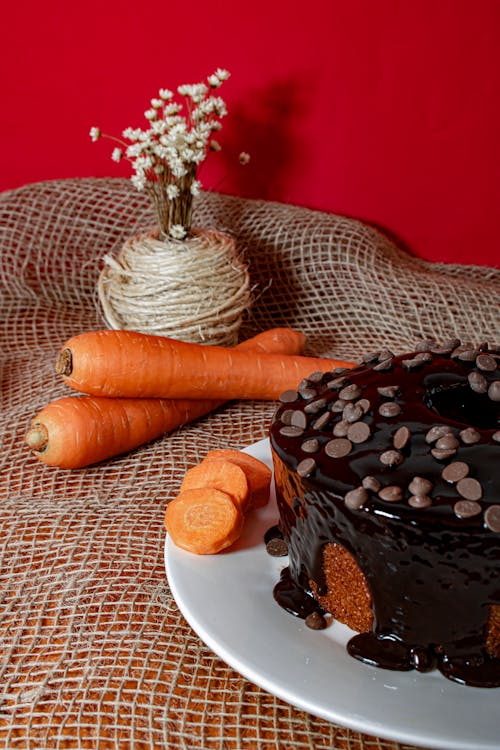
(432,575)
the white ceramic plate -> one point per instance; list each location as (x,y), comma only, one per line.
(227,599)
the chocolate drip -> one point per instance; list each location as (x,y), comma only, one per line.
(432,574)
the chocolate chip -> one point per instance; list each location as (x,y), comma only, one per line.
(494,390)
(369,358)
(391,494)
(338,405)
(466,509)
(291,431)
(469,436)
(310,446)
(384,366)
(388,391)
(315,377)
(470,489)
(441,454)
(391,458)
(370,483)
(313,407)
(419,501)
(352,412)
(389,409)
(412,364)
(401,438)
(486,362)
(420,486)
(277,547)
(356,498)
(423,357)
(338,448)
(496,436)
(358,432)
(436,432)
(443,349)
(492,518)
(286,416)
(307,393)
(306,467)
(298,419)
(337,383)
(477,382)
(340,370)
(350,392)
(447,442)
(288,397)
(455,471)
(322,421)
(424,345)
(363,404)
(385,354)
(316,621)
(340,429)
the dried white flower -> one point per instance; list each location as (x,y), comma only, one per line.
(222,74)
(195,187)
(156,103)
(172,191)
(177,231)
(151,114)
(117,154)
(138,180)
(165,94)
(244,158)
(95,134)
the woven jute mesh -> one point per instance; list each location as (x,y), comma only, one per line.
(93,650)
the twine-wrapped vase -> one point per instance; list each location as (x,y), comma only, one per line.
(194,290)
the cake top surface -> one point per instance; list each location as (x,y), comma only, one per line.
(409,436)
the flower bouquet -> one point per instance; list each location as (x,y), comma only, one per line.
(175,279)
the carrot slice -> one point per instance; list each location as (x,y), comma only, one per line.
(221,475)
(258,474)
(203,520)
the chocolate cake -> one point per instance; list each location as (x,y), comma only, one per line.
(388,490)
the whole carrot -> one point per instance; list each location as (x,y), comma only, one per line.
(136,365)
(77,431)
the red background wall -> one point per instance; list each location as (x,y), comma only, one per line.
(386,110)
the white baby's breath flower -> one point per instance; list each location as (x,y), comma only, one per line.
(244,158)
(138,180)
(172,191)
(178,232)
(165,94)
(95,134)
(156,103)
(195,187)
(132,134)
(117,154)
(213,81)
(222,74)
(151,114)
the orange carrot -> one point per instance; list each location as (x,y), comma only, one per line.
(221,475)
(130,364)
(204,520)
(79,431)
(258,474)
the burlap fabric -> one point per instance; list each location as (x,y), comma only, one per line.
(94,652)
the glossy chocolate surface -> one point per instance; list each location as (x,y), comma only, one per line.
(432,570)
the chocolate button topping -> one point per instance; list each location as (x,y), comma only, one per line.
(316,621)
(363,404)
(420,486)
(370,483)
(469,436)
(492,518)
(455,471)
(401,438)
(313,407)
(310,446)
(352,413)
(338,448)
(470,489)
(391,458)
(486,362)
(350,392)
(420,501)
(298,419)
(468,355)
(384,366)
(388,391)
(391,494)
(441,454)
(340,429)
(322,421)
(356,498)
(436,432)
(466,509)
(447,442)
(337,383)
(389,409)
(291,431)
(338,405)
(358,432)
(288,397)
(286,417)
(306,467)
(494,391)
(477,382)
